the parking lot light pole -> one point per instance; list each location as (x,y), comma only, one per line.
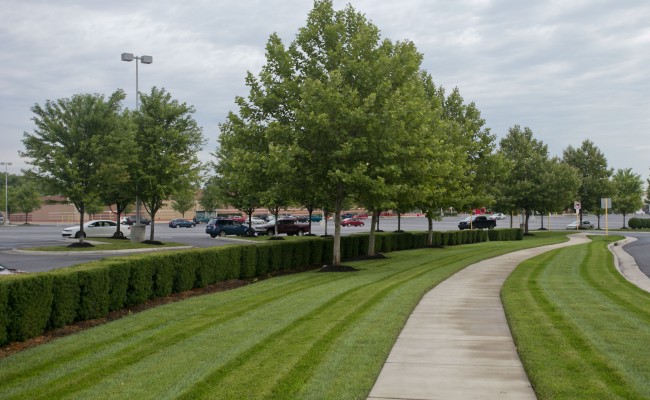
(6,219)
(137,235)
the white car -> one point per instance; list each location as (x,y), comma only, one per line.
(497,216)
(97,228)
(584,225)
(257,221)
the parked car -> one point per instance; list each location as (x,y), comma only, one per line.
(96,228)
(226,226)
(130,220)
(584,225)
(497,216)
(201,220)
(257,220)
(477,222)
(290,226)
(181,223)
(352,222)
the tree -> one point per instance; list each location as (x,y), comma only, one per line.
(523,185)
(69,144)
(594,175)
(210,198)
(26,199)
(168,141)
(184,201)
(559,185)
(628,195)
(330,104)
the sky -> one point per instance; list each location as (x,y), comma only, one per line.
(570,70)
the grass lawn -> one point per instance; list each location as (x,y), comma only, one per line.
(581,329)
(106,244)
(304,336)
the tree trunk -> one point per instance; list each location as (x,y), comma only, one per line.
(371,238)
(527,217)
(430,231)
(82,211)
(399,222)
(151,224)
(336,258)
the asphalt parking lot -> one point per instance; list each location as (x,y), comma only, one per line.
(22,236)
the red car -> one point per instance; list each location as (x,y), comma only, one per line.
(352,222)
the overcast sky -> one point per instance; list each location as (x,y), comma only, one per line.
(570,70)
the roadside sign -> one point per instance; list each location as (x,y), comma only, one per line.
(605,202)
(576,205)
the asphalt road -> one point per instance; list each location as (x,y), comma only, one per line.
(18,237)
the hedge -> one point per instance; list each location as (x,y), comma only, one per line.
(639,223)
(32,303)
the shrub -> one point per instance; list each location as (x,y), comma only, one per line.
(65,299)
(29,303)
(93,292)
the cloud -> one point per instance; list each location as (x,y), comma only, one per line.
(569,70)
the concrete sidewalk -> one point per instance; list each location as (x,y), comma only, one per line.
(457,343)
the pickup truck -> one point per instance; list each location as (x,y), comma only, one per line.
(477,222)
(289,226)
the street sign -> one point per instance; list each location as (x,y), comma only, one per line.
(576,205)
(605,202)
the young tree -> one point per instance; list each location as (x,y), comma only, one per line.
(594,174)
(25,199)
(184,201)
(117,189)
(628,195)
(69,143)
(211,197)
(524,184)
(168,140)
(559,185)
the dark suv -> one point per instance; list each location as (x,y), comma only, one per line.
(224,226)
(130,220)
(477,222)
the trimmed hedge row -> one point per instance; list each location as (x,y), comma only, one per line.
(31,304)
(639,223)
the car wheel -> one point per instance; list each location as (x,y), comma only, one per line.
(301,233)
(118,234)
(222,233)
(212,235)
(362,224)
(249,233)
(270,232)
(80,235)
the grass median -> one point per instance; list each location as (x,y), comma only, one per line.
(303,336)
(581,330)
(101,244)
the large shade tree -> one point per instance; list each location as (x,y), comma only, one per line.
(331,103)
(168,141)
(73,140)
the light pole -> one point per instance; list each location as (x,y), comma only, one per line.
(6,164)
(137,234)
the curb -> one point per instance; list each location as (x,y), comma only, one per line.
(96,252)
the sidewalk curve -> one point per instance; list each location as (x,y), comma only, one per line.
(457,344)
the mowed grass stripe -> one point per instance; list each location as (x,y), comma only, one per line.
(304,344)
(99,360)
(194,338)
(577,339)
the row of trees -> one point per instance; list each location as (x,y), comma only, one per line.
(92,151)
(341,117)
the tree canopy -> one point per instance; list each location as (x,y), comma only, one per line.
(72,139)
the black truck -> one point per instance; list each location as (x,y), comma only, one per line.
(477,222)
